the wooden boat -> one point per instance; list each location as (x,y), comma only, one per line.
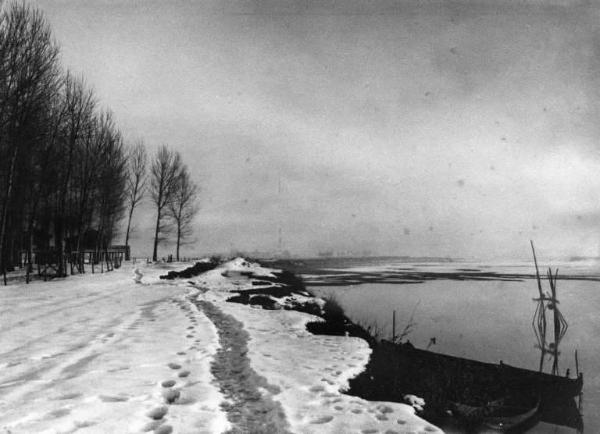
(444,380)
(509,378)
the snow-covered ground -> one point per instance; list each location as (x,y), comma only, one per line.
(100,353)
(90,353)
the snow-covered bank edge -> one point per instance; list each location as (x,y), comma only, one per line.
(306,373)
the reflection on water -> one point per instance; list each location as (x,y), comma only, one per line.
(544,303)
(483,312)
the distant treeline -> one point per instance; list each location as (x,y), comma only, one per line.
(67,177)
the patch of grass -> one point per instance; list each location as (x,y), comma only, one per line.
(333,310)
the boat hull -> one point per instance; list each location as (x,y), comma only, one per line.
(395,370)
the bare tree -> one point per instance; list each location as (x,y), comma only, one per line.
(136,181)
(164,175)
(85,177)
(112,177)
(29,78)
(63,165)
(79,104)
(183,207)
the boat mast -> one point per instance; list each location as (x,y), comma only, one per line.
(539,317)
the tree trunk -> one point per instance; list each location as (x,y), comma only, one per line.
(82,205)
(178,241)
(155,251)
(5,212)
(128,226)
(29,255)
(60,241)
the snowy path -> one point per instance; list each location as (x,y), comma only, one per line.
(98,353)
(249,409)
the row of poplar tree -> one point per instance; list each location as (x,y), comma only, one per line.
(65,169)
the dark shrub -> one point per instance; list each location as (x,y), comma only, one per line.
(194,270)
(240,298)
(264,301)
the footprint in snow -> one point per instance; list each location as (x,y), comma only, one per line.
(157,413)
(109,398)
(317,389)
(67,396)
(171,395)
(152,426)
(369,431)
(321,420)
(385,409)
(120,368)
(183,374)
(168,383)
(55,414)
(174,366)
(164,429)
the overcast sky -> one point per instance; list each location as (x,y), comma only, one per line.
(418,128)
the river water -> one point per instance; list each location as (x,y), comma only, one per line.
(476,311)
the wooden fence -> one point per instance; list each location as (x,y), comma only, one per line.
(48,264)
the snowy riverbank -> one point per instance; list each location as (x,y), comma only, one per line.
(99,353)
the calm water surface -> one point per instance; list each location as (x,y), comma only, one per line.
(487,320)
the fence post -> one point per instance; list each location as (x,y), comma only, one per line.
(394,327)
